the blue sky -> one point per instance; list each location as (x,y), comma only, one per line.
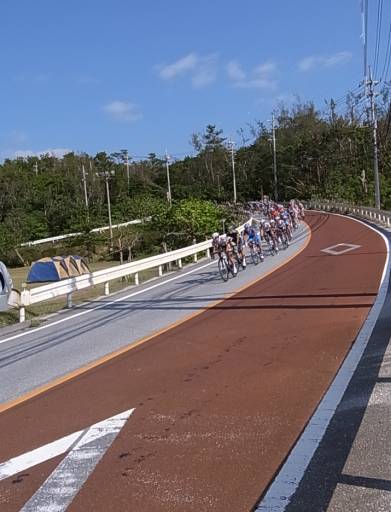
(94,75)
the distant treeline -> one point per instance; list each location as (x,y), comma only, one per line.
(319,154)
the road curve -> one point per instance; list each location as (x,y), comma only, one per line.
(82,336)
(220,399)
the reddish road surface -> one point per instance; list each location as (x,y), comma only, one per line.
(220,399)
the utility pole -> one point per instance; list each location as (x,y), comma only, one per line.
(231,144)
(84,180)
(370,92)
(168,178)
(109,208)
(127,167)
(274,159)
(107,176)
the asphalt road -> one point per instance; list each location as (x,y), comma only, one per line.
(88,332)
(219,400)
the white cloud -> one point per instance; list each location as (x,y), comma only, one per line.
(202,69)
(235,72)
(181,66)
(260,77)
(317,61)
(123,111)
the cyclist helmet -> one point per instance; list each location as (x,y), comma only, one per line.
(215,235)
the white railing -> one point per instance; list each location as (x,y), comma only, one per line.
(72,235)
(379,216)
(28,297)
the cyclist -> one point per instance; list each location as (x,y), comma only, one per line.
(223,243)
(270,235)
(237,242)
(281,231)
(288,224)
(246,231)
(301,210)
(255,239)
(216,247)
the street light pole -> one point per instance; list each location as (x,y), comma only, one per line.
(274,160)
(168,179)
(231,145)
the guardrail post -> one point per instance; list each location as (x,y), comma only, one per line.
(136,279)
(69,300)
(208,253)
(160,270)
(180,263)
(195,258)
(388,222)
(22,314)
(107,288)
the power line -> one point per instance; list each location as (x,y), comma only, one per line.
(364,32)
(378,35)
(344,97)
(387,57)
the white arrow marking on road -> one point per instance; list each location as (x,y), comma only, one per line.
(64,483)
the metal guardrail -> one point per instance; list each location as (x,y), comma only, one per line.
(73,235)
(28,297)
(380,216)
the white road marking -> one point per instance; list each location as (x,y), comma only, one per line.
(287,481)
(104,305)
(49,451)
(336,250)
(42,454)
(59,490)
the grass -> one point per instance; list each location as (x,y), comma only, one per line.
(33,313)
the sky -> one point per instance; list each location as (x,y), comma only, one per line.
(105,75)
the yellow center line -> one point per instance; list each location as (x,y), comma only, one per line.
(5,406)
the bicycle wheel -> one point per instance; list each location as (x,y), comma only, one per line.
(272,249)
(223,269)
(240,261)
(232,268)
(254,256)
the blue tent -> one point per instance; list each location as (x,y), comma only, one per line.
(48,269)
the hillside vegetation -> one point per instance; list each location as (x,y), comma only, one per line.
(319,154)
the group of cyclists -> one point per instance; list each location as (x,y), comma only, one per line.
(273,229)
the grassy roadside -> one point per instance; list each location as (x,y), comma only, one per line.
(33,313)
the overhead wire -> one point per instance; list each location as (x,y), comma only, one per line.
(387,57)
(378,35)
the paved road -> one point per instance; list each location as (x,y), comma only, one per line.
(220,399)
(90,331)
(350,470)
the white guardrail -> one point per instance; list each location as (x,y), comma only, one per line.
(28,297)
(379,216)
(72,235)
